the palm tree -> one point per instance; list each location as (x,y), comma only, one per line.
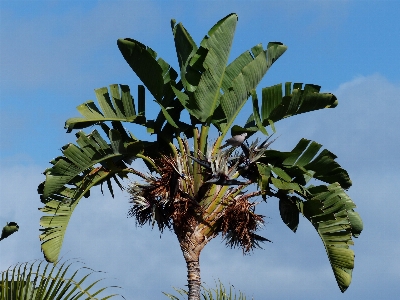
(194,187)
(218,293)
(44,281)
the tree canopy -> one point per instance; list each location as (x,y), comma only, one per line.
(195,188)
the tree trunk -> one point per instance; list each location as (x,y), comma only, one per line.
(194,281)
(191,245)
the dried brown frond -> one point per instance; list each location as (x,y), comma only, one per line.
(184,215)
(165,199)
(140,174)
(147,206)
(239,222)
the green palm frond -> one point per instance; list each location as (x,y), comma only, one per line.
(44,281)
(203,98)
(220,292)
(291,172)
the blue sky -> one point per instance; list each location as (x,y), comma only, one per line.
(53,54)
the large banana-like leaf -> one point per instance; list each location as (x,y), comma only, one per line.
(159,78)
(47,282)
(289,211)
(72,176)
(91,150)
(304,163)
(153,72)
(256,114)
(243,76)
(330,210)
(296,100)
(119,107)
(236,80)
(206,70)
(185,50)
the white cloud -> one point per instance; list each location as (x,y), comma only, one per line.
(361,130)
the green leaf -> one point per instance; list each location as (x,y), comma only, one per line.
(185,50)
(286,186)
(93,149)
(213,56)
(296,152)
(272,124)
(276,107)
(253,68)
(356,223)
(204,73)
(39,280)
(289,211)
(328,170)
(9,229)
(73,175)
(271,98)
(330,210)
(304,164)
(167,115)
(153,72)
(281,173)
(235,68)
(265,174)
(308,154)
(159,78)
(120,108)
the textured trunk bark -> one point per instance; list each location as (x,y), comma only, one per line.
(194,281)
(192,244)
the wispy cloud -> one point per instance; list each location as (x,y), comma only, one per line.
(362,129)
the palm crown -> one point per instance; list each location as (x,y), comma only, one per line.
(194,187)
